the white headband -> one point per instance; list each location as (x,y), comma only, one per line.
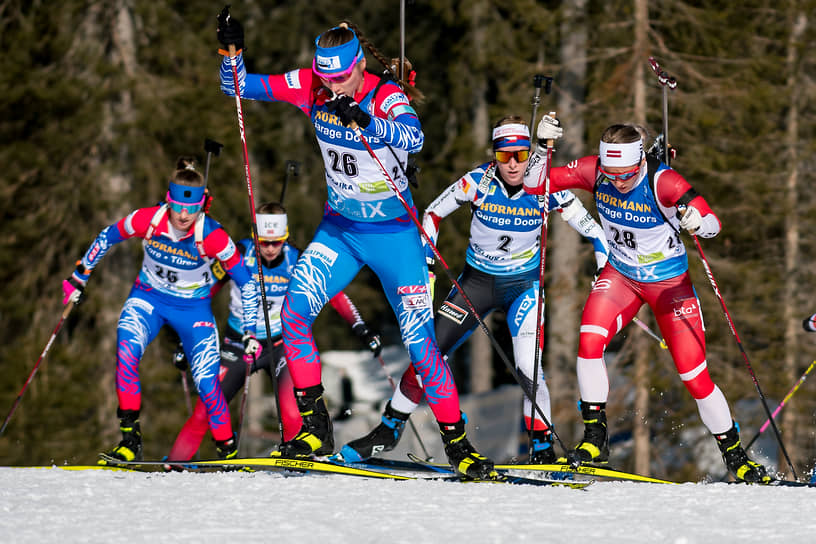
(272,226)
(621,154)
(515,129)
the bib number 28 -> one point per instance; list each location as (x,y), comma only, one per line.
(624,237)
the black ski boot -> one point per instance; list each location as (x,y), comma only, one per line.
(594,448)
(226,449)
(737,461)
(463,456)
(543,452)
(316,436)
(130,447)
(384,437)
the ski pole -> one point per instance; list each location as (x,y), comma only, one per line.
(293,169)
(428,456)
(742,350)
(538,81)
(542,246)
(179,359)
(186,387)
(244,396)
(667,82)
(646,328)
(65,312)
(452,278)
(401,71)
(212,148)
(796,386)
(251,198)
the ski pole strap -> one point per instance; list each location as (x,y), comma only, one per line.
(155,220)
(687,197)
(198,235)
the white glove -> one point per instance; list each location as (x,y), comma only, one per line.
(691,220)
(549,128)
(251,344)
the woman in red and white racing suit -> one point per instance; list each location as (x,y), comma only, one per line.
(642,205)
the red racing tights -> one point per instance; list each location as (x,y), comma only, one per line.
(614,301)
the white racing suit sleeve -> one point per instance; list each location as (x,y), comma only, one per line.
(458,193)
(574,213)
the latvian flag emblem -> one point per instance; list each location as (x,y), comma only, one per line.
(614,154)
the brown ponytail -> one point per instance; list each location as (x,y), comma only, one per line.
(390,66)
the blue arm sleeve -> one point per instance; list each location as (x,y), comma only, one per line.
(405,132)
(250,294)
(101,245)
(249,300)
(227,79)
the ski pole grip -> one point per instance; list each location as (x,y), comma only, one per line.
(211,146)
(550,141)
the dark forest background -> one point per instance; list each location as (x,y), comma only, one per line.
(100,97)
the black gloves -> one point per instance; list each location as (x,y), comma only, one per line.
(179,358)
(371,339)
(229,30)
(348,111)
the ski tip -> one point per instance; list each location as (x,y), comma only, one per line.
(518,480)
(779,483)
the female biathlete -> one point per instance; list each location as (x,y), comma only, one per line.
(642,204)
(364,224)
(173,288)
(278,258)
(501,272)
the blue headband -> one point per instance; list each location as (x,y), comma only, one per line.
(340,58)
(185,194)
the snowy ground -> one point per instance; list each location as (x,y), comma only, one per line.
(52,505)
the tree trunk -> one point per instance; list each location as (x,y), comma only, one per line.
(481,351)
(789,304)
(640,424)
(120,29)
(564,296)
(642,346)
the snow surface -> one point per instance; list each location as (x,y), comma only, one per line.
(52,505)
